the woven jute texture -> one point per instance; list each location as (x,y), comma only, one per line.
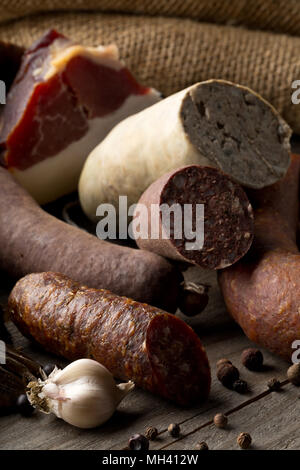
(170,53)
(275,15)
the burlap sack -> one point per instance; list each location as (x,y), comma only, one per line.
(274,15)
(172,53)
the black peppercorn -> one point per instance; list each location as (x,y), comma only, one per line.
(48,368)
(244,440)
(174,430)
(227,374)
(191,302)
(202,446)
(138,442)
(151,433)
(220,420)
(252,359)
(240,386)
(293,374)
(223,361)
(23,406)
(274,384)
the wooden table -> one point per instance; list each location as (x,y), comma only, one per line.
(272,418)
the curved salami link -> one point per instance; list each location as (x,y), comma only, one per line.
(135,341)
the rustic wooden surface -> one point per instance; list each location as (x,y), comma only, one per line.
(270,417)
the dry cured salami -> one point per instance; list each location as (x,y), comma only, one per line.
(135,341)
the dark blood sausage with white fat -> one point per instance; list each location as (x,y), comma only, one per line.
(228,217)
(135,341)
(32,240)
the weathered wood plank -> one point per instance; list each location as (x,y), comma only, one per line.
(272,422)
(137,411)
(221,337)
(221,399)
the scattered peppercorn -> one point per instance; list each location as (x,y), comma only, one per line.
(48,368)
(252,359)
(274,384)
(138,442)
(240,386)
(220,420)
(202,446)
(174,430)
(223,361)
(244,440)
(151,433)
(293,374)
(193,302)
(227,374)
(24,406)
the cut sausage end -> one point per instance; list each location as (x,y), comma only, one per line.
(179,363)
(238,132)
(228,218)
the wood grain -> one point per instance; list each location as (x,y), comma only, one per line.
(221,337)
(272,420)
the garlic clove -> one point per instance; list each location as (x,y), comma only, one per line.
(122,390)
(83,394)
(53,392)
(85,407)
(77,369)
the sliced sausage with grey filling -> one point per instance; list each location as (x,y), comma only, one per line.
(214,123)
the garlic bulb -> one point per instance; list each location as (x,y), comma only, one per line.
(83,394)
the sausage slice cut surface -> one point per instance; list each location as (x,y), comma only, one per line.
(237,131)
(205,218)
